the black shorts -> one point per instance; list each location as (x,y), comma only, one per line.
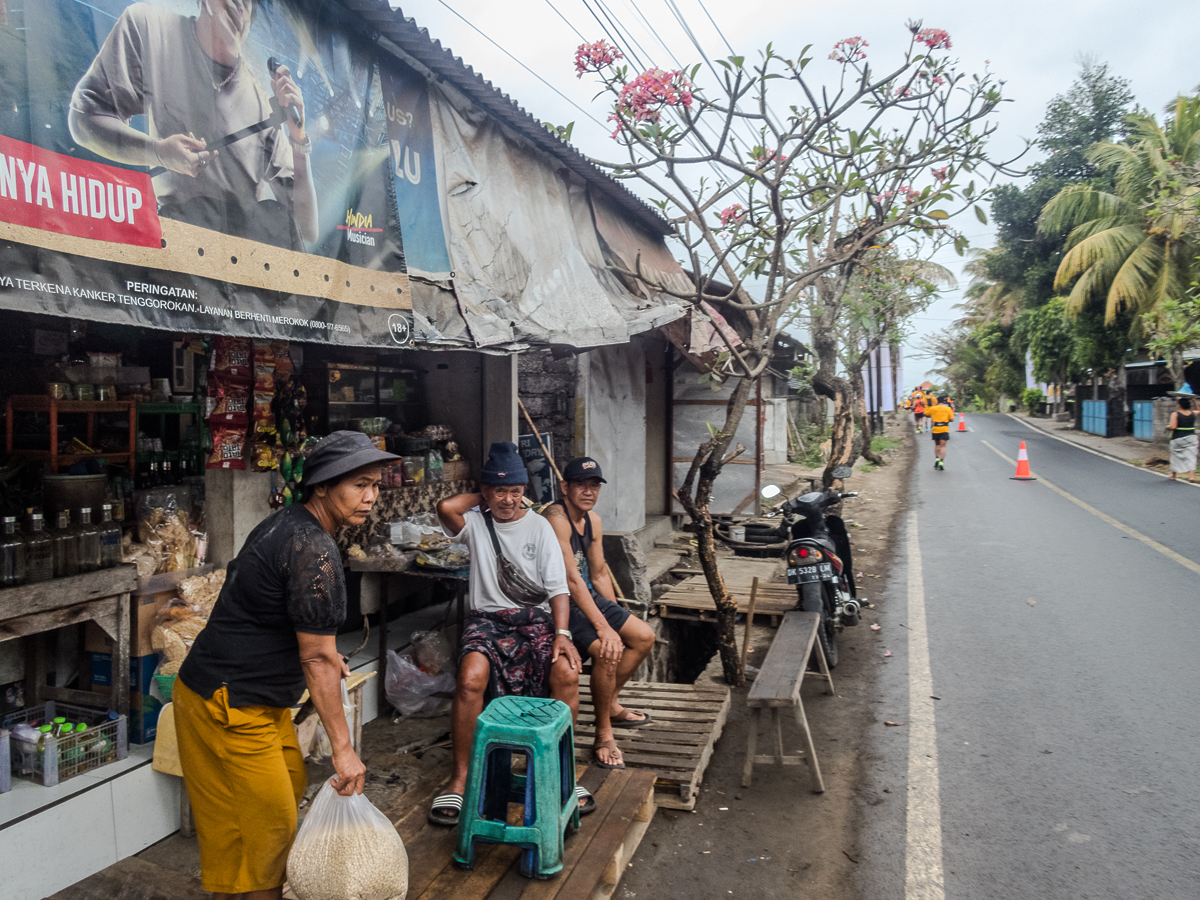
(940,437)
(919,415)
(584,633)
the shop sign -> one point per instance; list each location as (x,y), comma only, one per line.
(223,167)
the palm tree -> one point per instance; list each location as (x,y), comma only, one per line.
(988,300)
(1134,246)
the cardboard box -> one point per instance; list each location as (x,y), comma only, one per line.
(151,596)
(143,612)
(144,702)
(141,672)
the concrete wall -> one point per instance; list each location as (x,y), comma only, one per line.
(775,441)
(658,424)
(612,397)
(235,502)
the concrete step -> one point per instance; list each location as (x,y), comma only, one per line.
(659,563)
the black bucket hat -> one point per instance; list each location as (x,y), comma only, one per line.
(341,452)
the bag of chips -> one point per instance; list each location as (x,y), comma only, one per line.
(229,447)
(232,359)
(231,404)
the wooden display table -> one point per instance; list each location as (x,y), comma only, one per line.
(33,609)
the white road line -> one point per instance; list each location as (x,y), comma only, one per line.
(923,878)
(1121,526)
(1110,458)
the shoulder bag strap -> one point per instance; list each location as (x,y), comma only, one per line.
(487,519)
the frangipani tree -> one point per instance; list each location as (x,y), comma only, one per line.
(777,184)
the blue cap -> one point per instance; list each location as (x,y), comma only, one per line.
(504,466)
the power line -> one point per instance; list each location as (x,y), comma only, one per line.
(568,21)
(728,46)
(521,64)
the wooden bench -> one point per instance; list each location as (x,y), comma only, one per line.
(778,686)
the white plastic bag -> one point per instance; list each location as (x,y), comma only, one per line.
(347,850)
(414,693)
(322,748)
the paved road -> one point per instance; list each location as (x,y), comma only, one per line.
(1067,744)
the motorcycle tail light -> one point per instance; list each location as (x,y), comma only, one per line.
(805,555)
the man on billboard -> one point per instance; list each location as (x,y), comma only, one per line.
(189,77)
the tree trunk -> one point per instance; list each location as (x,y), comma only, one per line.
(1175,367)
(710,458)
(827,384)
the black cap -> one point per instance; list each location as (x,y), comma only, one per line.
(582,469)
(339,453)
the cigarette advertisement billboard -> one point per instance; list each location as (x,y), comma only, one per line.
(209,165)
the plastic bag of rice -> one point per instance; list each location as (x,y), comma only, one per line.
(346,849)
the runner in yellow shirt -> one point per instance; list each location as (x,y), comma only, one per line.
(941,415)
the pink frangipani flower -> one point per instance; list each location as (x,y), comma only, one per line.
(595,56)
(849,50)
(934,38)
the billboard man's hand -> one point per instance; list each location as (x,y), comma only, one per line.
(183,153)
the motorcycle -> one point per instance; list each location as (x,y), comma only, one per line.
(819,560)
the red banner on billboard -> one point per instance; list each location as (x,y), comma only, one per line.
(55,192)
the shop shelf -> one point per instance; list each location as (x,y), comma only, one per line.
(40,403)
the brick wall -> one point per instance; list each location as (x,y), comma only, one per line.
(547,388)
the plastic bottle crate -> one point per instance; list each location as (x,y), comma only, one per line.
(106,740)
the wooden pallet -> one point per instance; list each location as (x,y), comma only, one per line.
(690,599)
(594,860)
(678,744)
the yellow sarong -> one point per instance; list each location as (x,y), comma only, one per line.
(245,778)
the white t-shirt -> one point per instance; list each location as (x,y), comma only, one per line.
(529,543)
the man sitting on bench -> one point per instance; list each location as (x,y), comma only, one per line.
(601,628)
(515,640)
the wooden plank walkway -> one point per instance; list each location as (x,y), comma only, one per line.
(594,860)
(678,744)
(690,599)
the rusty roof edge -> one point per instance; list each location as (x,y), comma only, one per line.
(415,42)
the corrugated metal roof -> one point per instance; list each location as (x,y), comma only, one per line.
(415,41)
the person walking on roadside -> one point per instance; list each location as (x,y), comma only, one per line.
(1183,440)
(918,410)
(601,628)
(940,416)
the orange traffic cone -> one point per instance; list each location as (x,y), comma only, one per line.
(962,423)
(1023,473)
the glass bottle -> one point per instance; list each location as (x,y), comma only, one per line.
(65,547)
(39,554)
(12,554)
(110,539)
(89,542)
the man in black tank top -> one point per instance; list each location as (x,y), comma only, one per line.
(600,627)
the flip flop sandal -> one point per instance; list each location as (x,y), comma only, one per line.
(626,722)
(442,802)
(611,747)
(589,805)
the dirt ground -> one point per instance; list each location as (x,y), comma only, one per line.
(777,839)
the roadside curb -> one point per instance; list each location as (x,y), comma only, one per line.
(1029,424)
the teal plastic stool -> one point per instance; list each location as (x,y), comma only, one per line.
(541,729)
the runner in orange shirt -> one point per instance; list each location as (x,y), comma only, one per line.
(940,415)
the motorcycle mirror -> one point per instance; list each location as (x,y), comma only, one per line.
(843,472)
(770,492)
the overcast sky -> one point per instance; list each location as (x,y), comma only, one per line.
(1035,45)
